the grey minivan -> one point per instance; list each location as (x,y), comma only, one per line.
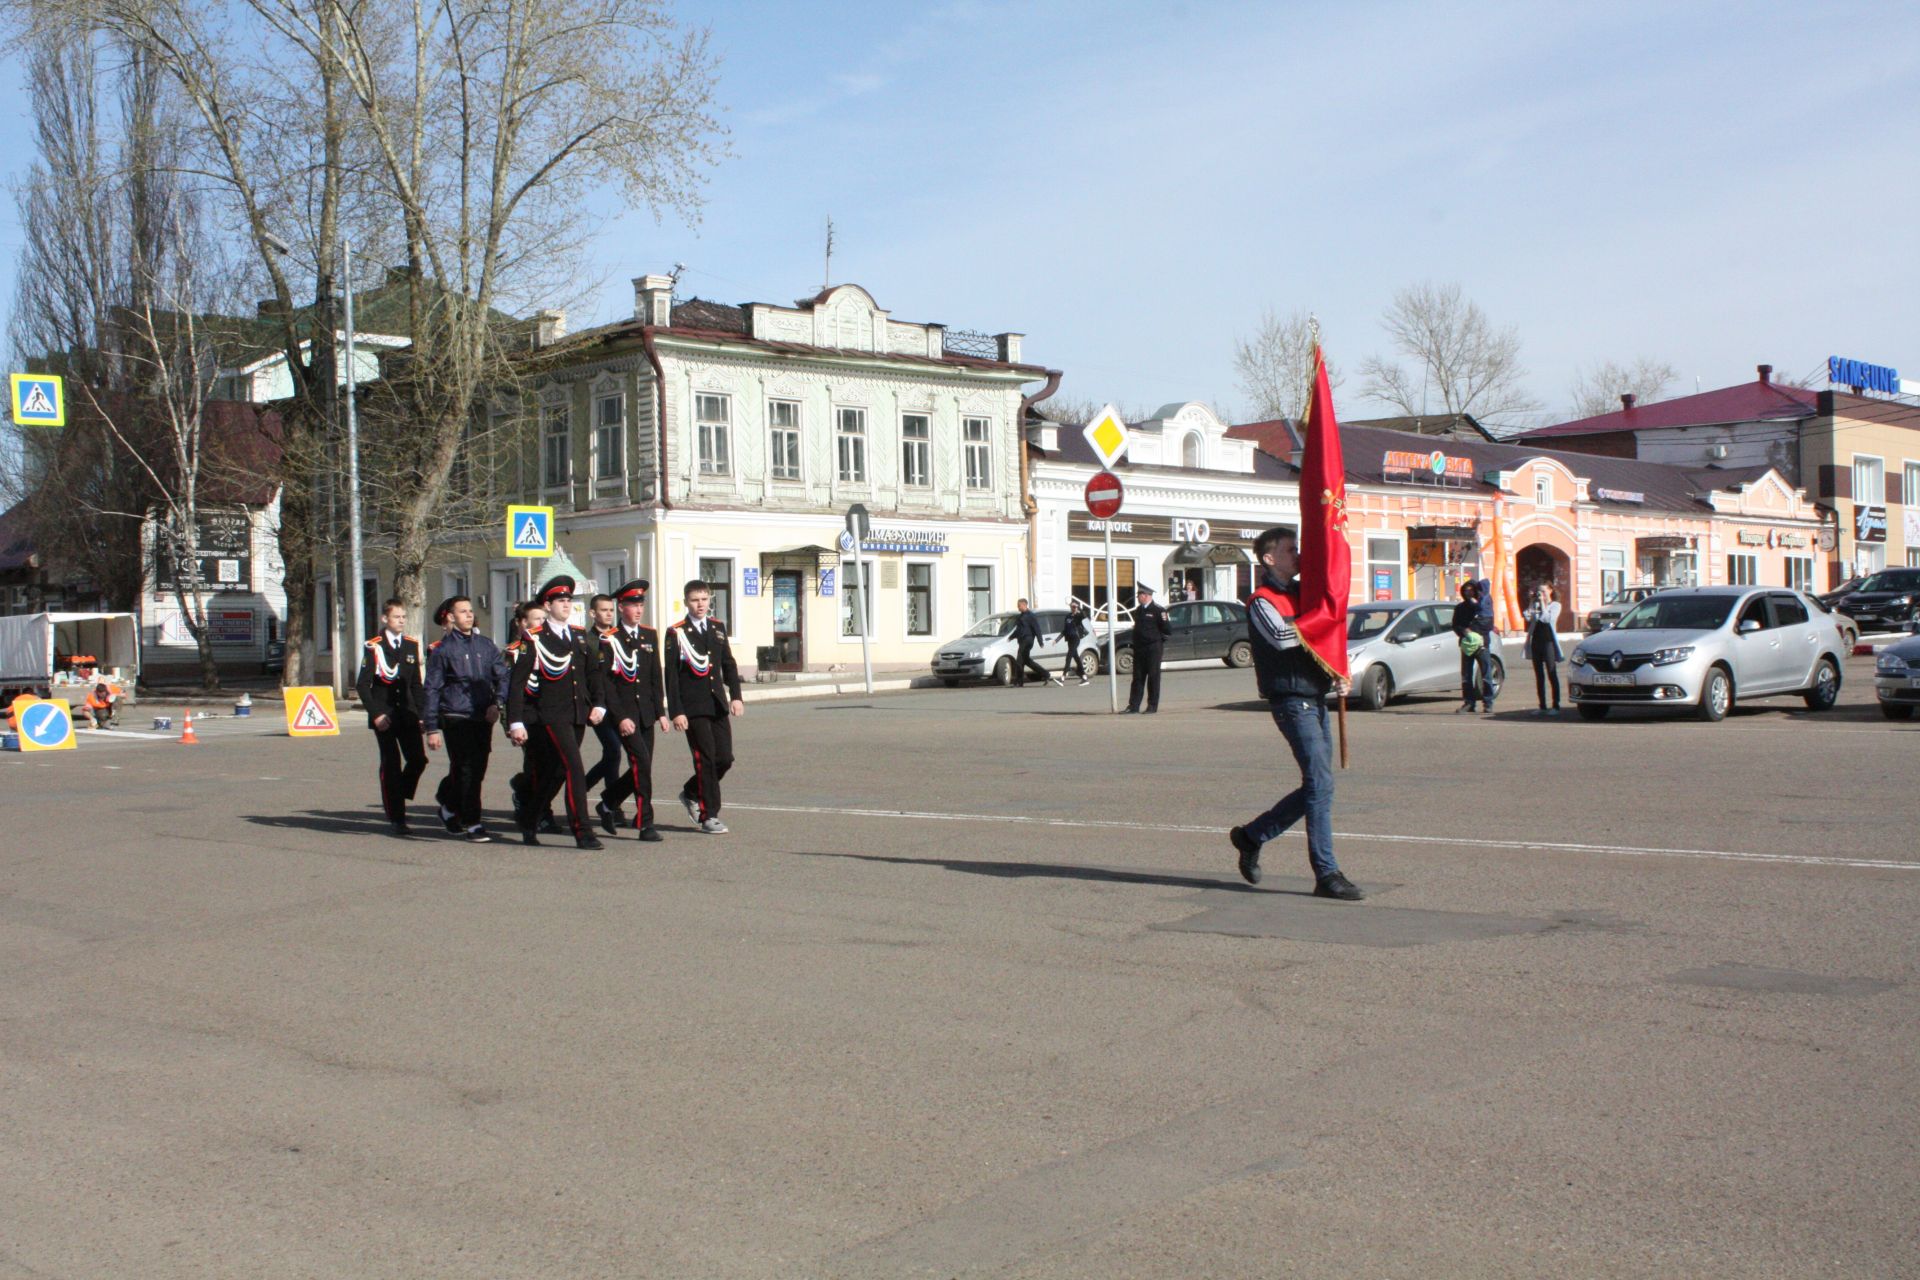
(986,650)
(1396,647)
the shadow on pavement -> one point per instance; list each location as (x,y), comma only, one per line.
(1059,871)
(338,821)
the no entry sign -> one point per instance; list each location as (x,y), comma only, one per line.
(1104,495)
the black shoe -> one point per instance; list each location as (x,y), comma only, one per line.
(479,835)
(1151,711)
(1337,886)
(452,820)
(1249,854)
(609,818)
(1131,711)
(548,827)
(591,841)
(529,836)
(651,835)
(402,830)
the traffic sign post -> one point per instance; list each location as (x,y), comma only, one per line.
(859,527)
(310,712)
(529,536)
(1105,495)
(44,724)
(39,399)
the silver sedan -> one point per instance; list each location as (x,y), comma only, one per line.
(1406,646)
(1703,647)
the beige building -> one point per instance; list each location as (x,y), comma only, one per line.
(1861,456)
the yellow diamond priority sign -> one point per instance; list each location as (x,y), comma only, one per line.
(1108,436)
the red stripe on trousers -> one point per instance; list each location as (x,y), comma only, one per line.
(573,801)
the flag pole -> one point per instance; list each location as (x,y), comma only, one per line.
(1343,731)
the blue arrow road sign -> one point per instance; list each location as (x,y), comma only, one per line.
(45,723)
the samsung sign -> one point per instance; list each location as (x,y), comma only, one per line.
(1858,373)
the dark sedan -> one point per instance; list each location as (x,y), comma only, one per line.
(1201,629)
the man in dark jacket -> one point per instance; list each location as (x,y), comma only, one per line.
(390,689)
(1151,628)
(630,655)
(1074,632)
(555,691)
(466,684)
(1026,634)
(1295,686)
(1473,616)
(703,696)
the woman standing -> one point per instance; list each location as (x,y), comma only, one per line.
(1543,646)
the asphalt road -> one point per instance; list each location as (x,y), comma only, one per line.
(972,989)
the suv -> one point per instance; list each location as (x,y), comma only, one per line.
(1703,647)
(1201,629)
(1616,605)
(1883,601)
(986,650)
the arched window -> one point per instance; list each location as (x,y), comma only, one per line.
(1190,450)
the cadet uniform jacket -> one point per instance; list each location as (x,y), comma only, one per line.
(632,664)
(555,682)
(701,676)
(390,677)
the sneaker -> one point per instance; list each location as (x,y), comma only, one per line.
(1249,854)
(691,805)
(1467,710)
(609,817)
(1487,710)
(714,827)
(1554,712)
(478,834)
(1337,886)
(1056,680)
(450,820)
(651,835)
(1084,682)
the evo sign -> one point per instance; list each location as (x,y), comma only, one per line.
(1842,372)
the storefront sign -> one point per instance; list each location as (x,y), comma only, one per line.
(1443,533)
(1869,524)
(1842,372)
(899,538)
(224,560)
(1792,541)
(1382,584)
(1427,468)
(1665,542)
(1181,529)
(1618,495)
(1752,538)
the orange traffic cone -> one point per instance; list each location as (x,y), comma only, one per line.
(187,737)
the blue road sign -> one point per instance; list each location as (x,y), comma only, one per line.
(46,726)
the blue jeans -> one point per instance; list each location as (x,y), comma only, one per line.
(1476,677)
(1303,723)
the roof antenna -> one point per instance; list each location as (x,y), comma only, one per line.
(678,267)
(826,275)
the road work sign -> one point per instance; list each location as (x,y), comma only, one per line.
(529,531)
(44,725)
(39,400)
(310,712)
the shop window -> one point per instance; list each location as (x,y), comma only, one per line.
(713,421)
(1743,570)
(979,592)
(855,576)
(1686,569)
(1800,572)
(1613,572)
(916,450)
(850,445)
(1385,572)
(1090,582)
(718,575)
(919,599)
(1869,557)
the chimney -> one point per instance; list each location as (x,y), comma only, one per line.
(1007,346)
(653,299)
(1627,399)
(549,326)
(1766,373)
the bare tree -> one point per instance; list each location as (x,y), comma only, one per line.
(1275,366)
(1598,390)
(1461,363)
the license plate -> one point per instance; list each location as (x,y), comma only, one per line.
(1613,677)
(1913,682)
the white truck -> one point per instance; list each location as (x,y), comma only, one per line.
(43,653)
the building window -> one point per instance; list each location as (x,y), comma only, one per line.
(1190,450)
(856,575)
(1913,557)
(783,447)
(1385,573)
(1743,570)
(712,416)
(610,572)
(916,450)
(978,434)
(919,599)
(718,575)
(1869,558)
(1543,491)
(979,592)
(1090,582)
(1869,481)
(1613,572)
(556,447)
(1800,573)
(850,444)
(1910,484)
(610,437)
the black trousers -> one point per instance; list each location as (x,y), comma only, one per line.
(1546,672)
(469,743)
(710,738)
(400,741)
(1146,678)
(609,767)
(1071,667)
(1025,663)
(637,778)
(556,766)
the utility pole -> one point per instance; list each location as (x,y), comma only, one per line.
(358,587)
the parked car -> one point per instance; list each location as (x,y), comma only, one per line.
(986,650)
(1896,679)
(1849,629)
(1703,647)
(1615,606)
(1830,598)
(1397,647)
(1201,629)
(1883,601)
(276,659)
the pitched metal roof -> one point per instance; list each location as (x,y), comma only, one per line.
(1754,401)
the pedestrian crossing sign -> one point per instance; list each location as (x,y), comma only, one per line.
(39,400)
(529,532)
(310,712)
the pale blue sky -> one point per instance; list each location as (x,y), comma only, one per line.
(1130,184)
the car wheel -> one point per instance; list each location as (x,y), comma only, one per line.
(1593,711)
(1089,663)
(1377,689)
(950,682)
(1716,695)
(1003,673)
(1240,653)
(1499,676)
(1896,710)
(1825,689)
(1123,661)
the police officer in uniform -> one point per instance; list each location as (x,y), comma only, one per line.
(1150,631)
(556,690)
(703,692)
(630,656)
(390,689)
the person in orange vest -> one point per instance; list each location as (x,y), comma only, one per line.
(391,689)
(102,706)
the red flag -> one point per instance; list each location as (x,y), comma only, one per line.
(1326,561)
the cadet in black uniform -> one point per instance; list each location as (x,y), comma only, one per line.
(1150,631)
(636,703)
(703,691)
(390,689)
(557,689)
(600,618)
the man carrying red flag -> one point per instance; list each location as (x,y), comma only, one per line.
(1299,634)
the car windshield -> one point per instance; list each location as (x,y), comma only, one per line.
(997,625)
(1627,595)
(1892,580)
(1678,613)
(1364,624)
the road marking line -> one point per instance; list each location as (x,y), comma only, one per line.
(1478,842)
